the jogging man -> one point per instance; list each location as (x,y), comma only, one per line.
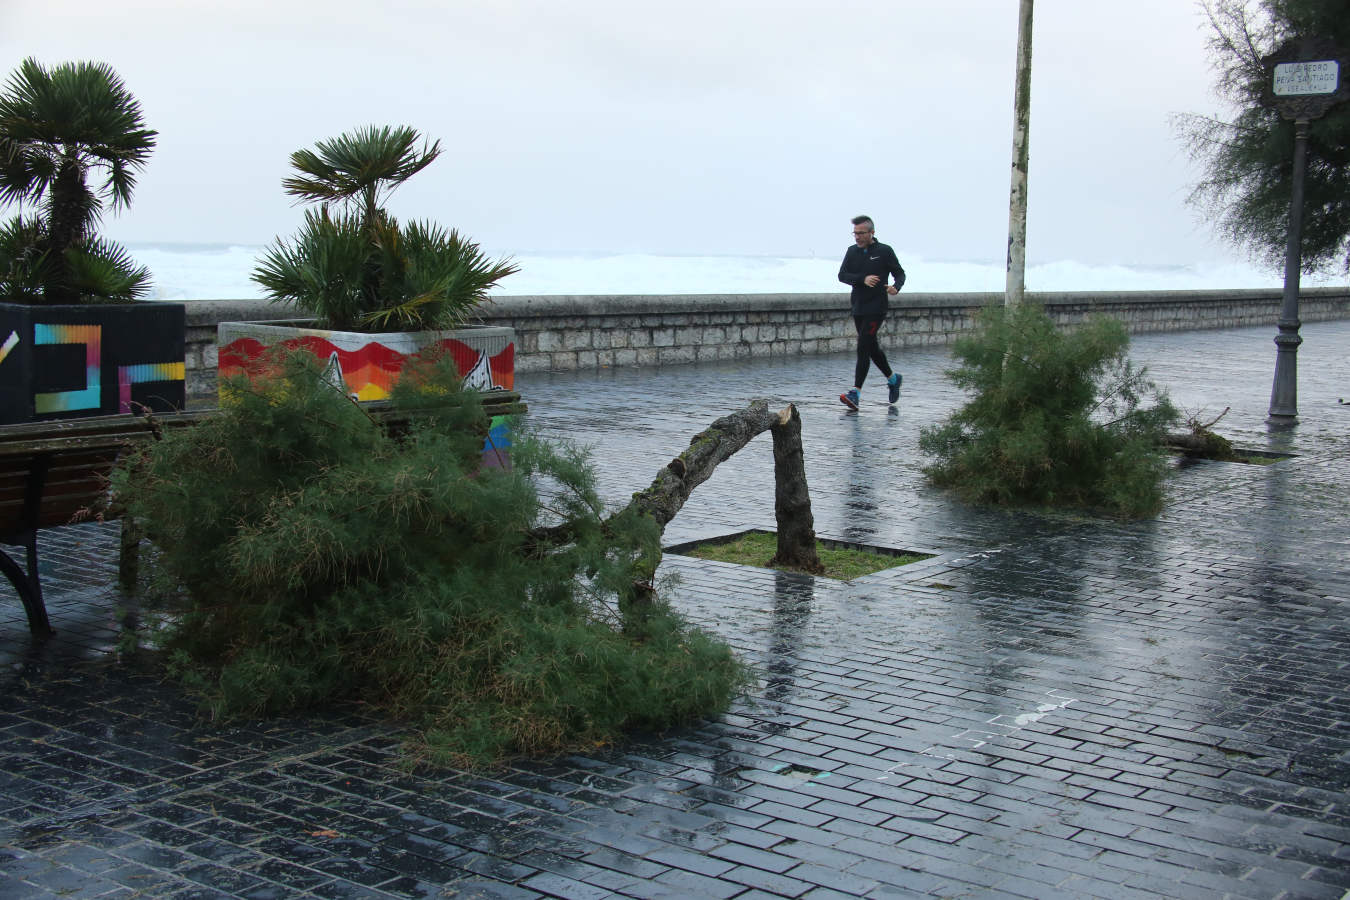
(865,267)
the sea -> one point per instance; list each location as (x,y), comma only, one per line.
(221,272)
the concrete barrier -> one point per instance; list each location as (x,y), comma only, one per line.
(583,332)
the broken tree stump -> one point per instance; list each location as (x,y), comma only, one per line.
(667,493)
(792,499)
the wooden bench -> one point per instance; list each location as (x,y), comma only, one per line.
(53,473)
(56,473)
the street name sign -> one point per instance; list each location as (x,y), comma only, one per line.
(1306,79)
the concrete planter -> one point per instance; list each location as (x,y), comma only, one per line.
(369,364)
(64,362)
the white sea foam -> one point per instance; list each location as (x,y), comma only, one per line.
(221,272)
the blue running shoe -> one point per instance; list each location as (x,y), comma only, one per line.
(850,399)
(894,384)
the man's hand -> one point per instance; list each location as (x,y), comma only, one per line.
(872,280)
(892,290)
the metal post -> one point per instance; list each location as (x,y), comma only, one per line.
(1284,392)
(1017,199)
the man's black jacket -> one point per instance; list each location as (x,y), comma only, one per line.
(874,259)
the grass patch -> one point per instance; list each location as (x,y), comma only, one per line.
(756,548)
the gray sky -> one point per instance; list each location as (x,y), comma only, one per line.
(691,127)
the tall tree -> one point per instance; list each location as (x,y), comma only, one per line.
(57,127)
(1248,158)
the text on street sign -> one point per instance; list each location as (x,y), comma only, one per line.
(1299,79)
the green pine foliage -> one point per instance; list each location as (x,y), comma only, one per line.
(316,555)
(1055,418)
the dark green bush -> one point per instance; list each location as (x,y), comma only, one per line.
(1056,418)
(316,557)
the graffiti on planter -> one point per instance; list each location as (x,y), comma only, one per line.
(371,370)
(143,373)
(91,336)
(89,396)
(10,343)
(67,361)
(365,368)
(497,446)
(479,377)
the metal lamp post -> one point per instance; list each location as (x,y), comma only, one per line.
(1302,87)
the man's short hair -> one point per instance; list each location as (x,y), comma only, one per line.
(859,220)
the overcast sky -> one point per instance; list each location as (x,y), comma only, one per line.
(691,127)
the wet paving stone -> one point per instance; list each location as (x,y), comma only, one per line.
(1054,705)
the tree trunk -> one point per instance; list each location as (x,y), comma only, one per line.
(792,502)
(673,485)
(792,499)
(70,210)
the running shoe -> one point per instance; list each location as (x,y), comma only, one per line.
(893,383)
(850,399)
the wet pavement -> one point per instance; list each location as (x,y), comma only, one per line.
(1054,705)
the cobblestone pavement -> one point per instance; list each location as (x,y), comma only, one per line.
(1054,705)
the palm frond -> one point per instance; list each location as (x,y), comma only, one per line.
(406,316)
(58,126)
(24,267)
(103,272)
(84,106)
(320,270)
(366,165)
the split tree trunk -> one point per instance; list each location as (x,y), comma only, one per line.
(673,485)
(792,500)
(709,448)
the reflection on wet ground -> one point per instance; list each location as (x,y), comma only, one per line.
(1055,705)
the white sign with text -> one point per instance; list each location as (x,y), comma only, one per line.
(1301,79)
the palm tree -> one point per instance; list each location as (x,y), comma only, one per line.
(360,169)
(356,269)
(58,126)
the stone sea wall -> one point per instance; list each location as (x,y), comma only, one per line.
(585,332)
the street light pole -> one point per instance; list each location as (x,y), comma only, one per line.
(1017,199)
(1284,390)
(1303,82)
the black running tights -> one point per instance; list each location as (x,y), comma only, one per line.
(869,350)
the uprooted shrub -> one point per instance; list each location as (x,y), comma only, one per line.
(1055,418)
(313,554)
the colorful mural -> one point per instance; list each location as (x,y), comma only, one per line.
(371,370)
(87,397)
(67,361)
(366,366)
(497,447)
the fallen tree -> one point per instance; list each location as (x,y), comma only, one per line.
(1201,441)
(309,555)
